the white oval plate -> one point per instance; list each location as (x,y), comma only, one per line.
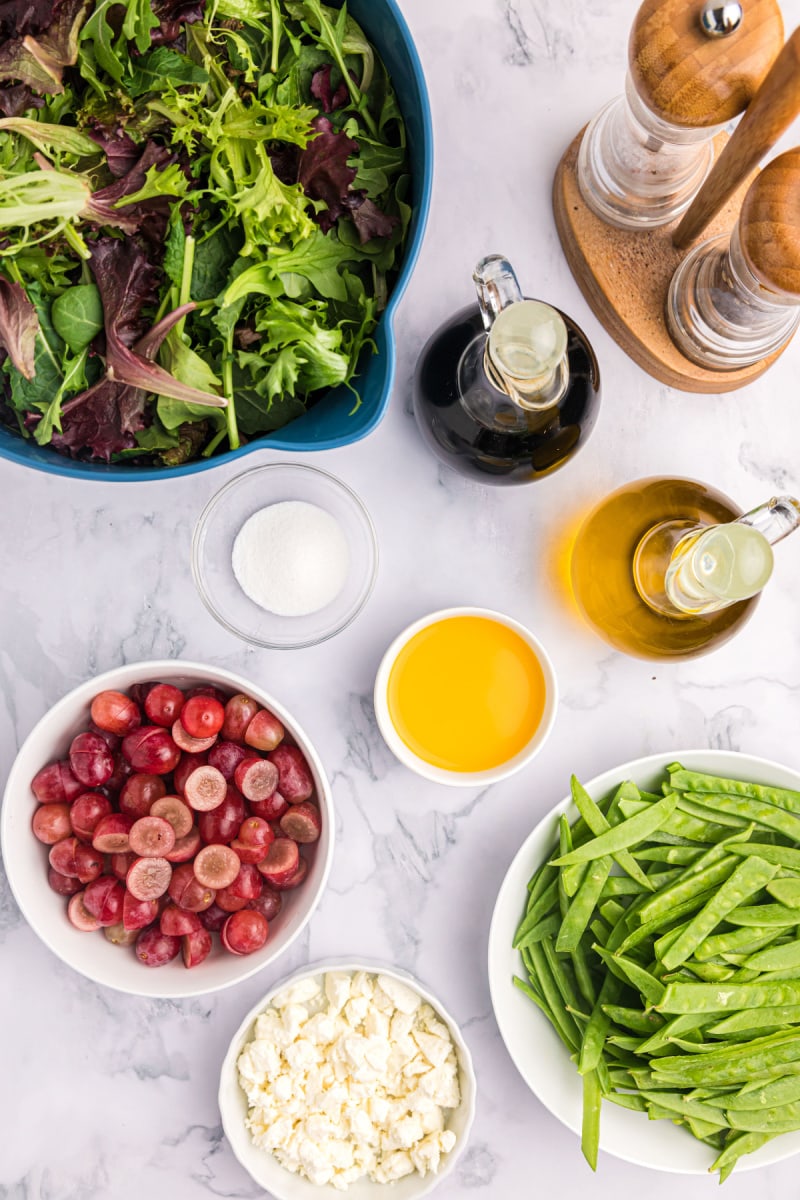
(537,1053)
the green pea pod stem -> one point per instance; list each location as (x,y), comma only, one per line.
(786,891)
(711,998)
(741,940)
(590,1129)
(623,836)
(744,1021)
(599,824)
(692,885)
(695,781)
(736,1148)
(583,905)
(749,877)
(784,856)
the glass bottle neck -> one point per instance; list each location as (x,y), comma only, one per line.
(529,394)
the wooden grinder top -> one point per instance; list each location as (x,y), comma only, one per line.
(693,80)
(769,226)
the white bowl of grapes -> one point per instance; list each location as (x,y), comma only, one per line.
(167,829)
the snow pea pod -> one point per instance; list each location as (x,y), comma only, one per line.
(599,824)
(542,907)
(713,998)
(678,1102)
(785,856)
(634,973)
(590,1128)
(545,928)
(594,1035)
(782,1120)
(733,1064)
(735,1148)
(763,915)
(686,1023)
(746,938)
(681,856)
(691,885)
(552,997)
(786,891)
(561,972)
(696,781)
(785,1090)
(634,1019)
(693,805)
(583,905)
(675,916)
(776,958)
(744,1021)
(623,836)
(749,877)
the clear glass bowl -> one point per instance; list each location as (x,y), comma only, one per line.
(224,516)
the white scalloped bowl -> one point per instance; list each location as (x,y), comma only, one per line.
(92,954)
(537,1052)
(282,1184)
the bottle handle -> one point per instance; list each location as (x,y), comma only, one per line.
(496,285)
(776,519)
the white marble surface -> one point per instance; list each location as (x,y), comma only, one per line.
(103,1095)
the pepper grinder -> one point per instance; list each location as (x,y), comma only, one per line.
(735,300)
(693,67)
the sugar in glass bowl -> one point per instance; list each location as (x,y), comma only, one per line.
(25,858)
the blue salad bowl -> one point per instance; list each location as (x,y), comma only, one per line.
(333,421)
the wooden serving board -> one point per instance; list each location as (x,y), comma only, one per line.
(625,276)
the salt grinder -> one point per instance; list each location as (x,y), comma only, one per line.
(692,68)
(734,301)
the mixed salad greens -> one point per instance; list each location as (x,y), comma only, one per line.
(202,203)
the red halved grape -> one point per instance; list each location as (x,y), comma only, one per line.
(269,903)
(302,823)
(116,713)
(245,931)
(65,885)
(89,863)
(140,793)
(111,833)
(152,750)
(228,902)
(51,823)
(216,866)
(226,756)
(79,915)
(55,784)
(187,892)
(213,918)
(239,712)
(163,704)
(155,948)
(189,744)
(249,854)
(256,778)
(118,935)
(86,812)
(281,861)
(188,763)
(205,789)
(196,947)
(294,880)
(103,899)
(136,913)
(294,777)
(202,716)
(178,921)
(265,731)
(186,847)
(121,863)
(91,760)
(179,815)
(152,837)
(148,878)
(247,884)
(271,809)
(62,856)
(222,823)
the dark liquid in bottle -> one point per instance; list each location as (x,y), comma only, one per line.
(490,454)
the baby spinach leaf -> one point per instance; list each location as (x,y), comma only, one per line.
(151,71)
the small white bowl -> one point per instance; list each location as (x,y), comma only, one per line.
(226,513)
(537,1052)
(440,774)
(283,1184)
(91,954)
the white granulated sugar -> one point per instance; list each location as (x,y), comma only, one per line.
(291,558)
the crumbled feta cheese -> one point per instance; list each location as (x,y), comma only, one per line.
(347,1078)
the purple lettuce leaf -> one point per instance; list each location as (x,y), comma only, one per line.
(121,151)
(102,421)
(39,61)
(173,15)
(21,17)
(323,172)
(19,325)
(321,89)
(150,216)
(17,98)
(370,221)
